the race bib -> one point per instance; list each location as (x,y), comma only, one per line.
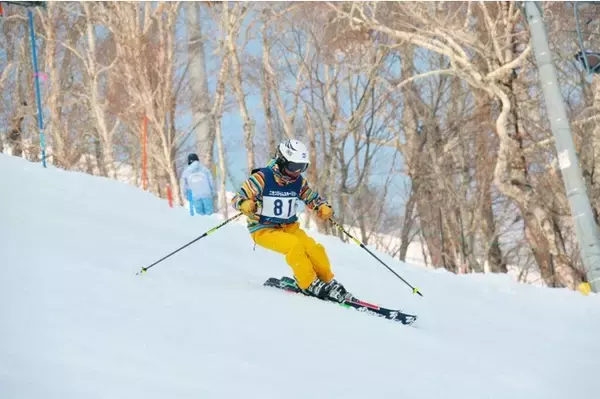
(279,207)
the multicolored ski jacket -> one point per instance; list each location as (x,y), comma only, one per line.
(252,189)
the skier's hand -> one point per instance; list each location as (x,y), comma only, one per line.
(324,212)
(248,208)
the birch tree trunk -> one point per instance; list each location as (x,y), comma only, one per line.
(266,89)
(236,19)
(205,136)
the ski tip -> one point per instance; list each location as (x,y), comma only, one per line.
(416,291)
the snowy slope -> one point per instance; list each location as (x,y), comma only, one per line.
(77,323)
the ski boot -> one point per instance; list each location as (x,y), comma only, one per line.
(332,291)
(337,292)
(317,288)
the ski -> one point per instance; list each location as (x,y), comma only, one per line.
(289,284)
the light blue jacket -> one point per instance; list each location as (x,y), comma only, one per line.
(197,178)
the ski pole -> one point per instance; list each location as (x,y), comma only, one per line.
(144,269)
(363,246)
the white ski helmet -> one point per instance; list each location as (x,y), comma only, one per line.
(293,156)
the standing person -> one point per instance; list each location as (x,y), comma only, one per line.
(269,199)
(197,186)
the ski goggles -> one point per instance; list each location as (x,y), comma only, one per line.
(296,166)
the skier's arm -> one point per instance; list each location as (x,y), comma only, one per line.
(311,198)
(251,188)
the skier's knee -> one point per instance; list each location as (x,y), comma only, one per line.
(296,251)
(293,243)
(317,252)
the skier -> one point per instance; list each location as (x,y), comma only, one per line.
(269,199)
(197,186)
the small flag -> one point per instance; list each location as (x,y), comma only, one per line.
(43,76)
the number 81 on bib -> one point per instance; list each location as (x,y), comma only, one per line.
(279,208)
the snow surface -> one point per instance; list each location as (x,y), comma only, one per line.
(76,322)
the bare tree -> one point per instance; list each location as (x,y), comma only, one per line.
(96,66)
(205,135)
(14,82)
(219,101)
(407,233)
(67,120)
(504,50)
(266,87)
(236,18)
(146,47)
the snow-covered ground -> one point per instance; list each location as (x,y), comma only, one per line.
(76,322)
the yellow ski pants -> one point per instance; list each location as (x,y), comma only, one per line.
(305,256)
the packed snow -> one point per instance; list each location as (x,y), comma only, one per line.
(76,321)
